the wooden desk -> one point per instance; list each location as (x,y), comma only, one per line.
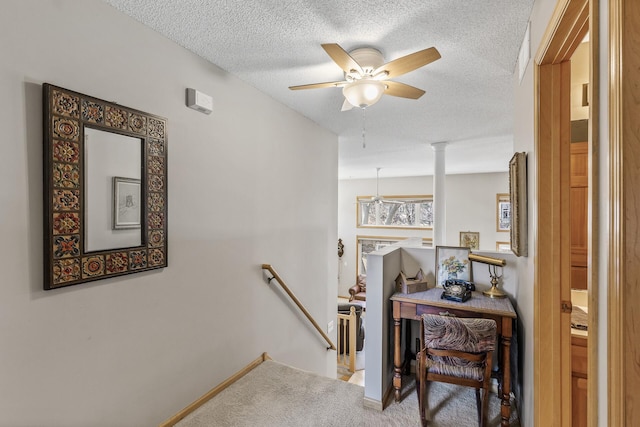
(413,306)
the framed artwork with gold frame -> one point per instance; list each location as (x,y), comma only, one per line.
(470,239)
(518,198)
(503,212)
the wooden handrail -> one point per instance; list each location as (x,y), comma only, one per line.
(299,304)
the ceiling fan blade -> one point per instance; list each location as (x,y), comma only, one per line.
(319,85)
(402,90)
(411,62)
(342,58)
(346,105)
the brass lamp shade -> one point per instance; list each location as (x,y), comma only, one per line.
(494,292)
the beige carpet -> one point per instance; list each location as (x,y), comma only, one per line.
(276,395)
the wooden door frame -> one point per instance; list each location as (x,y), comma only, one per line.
(624,242)
(552,344)
(616,276)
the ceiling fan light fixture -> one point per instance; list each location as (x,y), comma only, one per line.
(364,92)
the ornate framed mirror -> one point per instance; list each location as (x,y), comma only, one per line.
(105,189)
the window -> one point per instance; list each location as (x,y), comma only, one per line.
(414,212)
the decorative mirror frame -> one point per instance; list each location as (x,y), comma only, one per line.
(66,114)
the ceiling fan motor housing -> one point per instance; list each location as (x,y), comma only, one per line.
(368,58)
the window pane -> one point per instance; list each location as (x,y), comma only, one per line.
(396,212)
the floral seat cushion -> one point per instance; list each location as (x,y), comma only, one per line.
(465,335)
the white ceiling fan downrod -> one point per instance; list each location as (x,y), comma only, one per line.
(364,130)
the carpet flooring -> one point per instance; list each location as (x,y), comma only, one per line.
(276,395)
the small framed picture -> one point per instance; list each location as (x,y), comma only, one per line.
(452,263)
(503,246)
(503,212)
(470,239)
(126,203)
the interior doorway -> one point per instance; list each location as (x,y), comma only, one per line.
(553,268)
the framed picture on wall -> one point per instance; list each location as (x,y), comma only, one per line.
(503,212)
(452,263)
(503,247)
(470,239)
(518,197)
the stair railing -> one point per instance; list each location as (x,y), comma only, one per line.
(302,308)
(347,324)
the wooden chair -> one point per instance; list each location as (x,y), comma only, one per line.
(456,351)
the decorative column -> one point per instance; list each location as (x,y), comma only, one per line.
(439,221)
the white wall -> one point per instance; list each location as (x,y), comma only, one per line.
(470,206)
(524,141)
(252,183)
(384,266)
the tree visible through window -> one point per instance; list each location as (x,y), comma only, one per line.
(395,211)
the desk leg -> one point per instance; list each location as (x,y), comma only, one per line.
(408,354)
(505,408)
(397,359)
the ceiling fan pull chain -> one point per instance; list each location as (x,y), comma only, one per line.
(364,118)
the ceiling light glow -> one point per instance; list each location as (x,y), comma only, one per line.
(364,92)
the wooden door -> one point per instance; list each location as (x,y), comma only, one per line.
(579,367)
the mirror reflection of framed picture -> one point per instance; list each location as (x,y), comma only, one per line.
(126,203)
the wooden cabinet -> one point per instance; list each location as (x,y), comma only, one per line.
(579,381)
(578,204)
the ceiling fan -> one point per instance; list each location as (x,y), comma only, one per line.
(366,76)
(378,199)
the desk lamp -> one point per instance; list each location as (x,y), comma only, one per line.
(493,264)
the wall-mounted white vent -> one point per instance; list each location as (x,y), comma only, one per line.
(199,101)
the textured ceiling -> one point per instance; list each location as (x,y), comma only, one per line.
(274,44)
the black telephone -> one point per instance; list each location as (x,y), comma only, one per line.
(457,290)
